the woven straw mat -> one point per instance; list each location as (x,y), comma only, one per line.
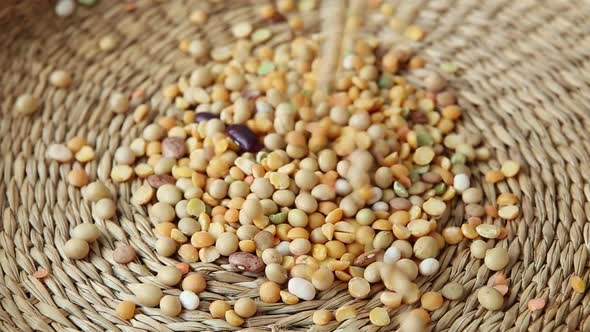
(523,79)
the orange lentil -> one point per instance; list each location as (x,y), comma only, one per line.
(491,211)
(138,93)
(536,304)
(339,99)
(78,177)
(130,6)
(403,132)
(503,289)
(474,221)
(452,112)
(165,228)
(503,233)
(405,181)
(184,45)
(422,313)
(445,125)
(498,278)
(183,267)
(330,178)
(40,274)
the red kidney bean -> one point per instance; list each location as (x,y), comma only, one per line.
(204,116)
(418,117)
(246,262)
(366,258)
(156,180)
(244,137)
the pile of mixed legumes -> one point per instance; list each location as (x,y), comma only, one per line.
(265,175)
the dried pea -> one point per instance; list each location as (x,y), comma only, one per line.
(322,317)
(379,317)
(345,312)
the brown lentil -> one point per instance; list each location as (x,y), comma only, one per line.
(124,254)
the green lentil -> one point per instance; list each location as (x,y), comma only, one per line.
(400,190)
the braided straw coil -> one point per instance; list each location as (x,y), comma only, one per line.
(523,79)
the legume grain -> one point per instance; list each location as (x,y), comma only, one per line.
(301,186)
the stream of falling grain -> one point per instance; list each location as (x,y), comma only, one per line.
(340,23)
